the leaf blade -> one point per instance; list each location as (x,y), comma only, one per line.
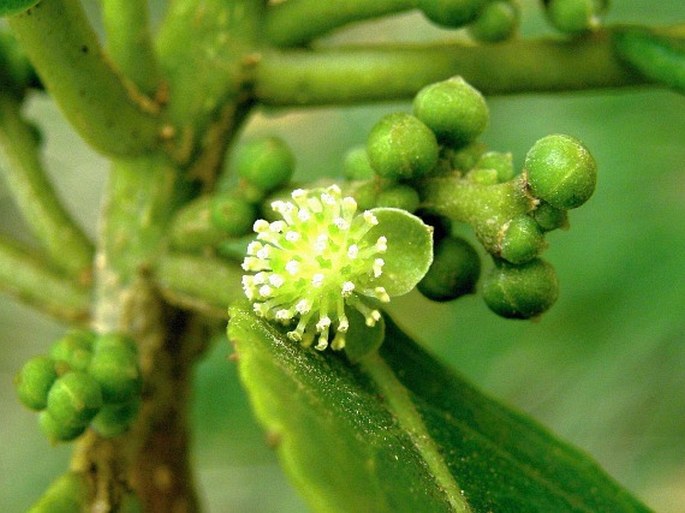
(347,450)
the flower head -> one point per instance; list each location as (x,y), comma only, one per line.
(313,263)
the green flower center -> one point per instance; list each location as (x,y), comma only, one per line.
(312,264)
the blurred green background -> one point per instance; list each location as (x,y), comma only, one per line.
(605,369)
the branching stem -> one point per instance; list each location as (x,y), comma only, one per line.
(129,42)
(371,73)
(30,279)
(286,26)
(64,49)
(59,234)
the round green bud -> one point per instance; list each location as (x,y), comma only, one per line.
(116,371)
(450,13)
(483,176)
(466,158)
(401,147)
(496,22)
(550,218)
(399,196)
(454,271)
(232,214)
(249,192)
(58,431)
(522,240)
(454,110)
(502,163)
(267,163)
(115,419)
(10,7)
(521,291)
(66,494)
(366,194)
(74,399)
(34,380)
(574,16)
(356,165)
(561,171)
(118,341)
(75,348)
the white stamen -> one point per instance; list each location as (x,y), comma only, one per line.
(353,251)
(317,280)
(347,288)
(293,266)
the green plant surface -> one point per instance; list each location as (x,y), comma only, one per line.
(603,368)
(406,433)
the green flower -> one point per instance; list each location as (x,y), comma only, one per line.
(324,261)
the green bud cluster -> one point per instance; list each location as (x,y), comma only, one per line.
(432,163)
(575,16)
(87,379)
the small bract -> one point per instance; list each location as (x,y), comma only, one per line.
(324,261)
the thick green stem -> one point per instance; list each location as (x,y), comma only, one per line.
(299,21)
(153,457)
(104,108)
(62,238)
(487,208)
(363,74)
(201,283)
(129,42)
(24,275)
(399,402)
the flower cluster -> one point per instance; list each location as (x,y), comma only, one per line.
(315,262)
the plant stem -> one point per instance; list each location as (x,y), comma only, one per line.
(364,74)
(26,276)
(107,111)
(153,457)
(485,207)
(400,404)
(201,283)
(62,238)
(129,43)
(296,22)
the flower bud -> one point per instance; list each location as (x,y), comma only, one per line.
(497,21)
(502,163)
(399,196)
(454,110)
(58,431)
(356,164)
(454,271)
(521,291)
(74,399)
(401,147)
(522,240)
(561,171)
(75,348)
(34,380)
(115,368)
(232,214)
(574,16)
(267,163)
(550,218)
(115,419)
(451,13)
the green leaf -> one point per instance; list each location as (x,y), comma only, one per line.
(410,249)
(401,433)
(658,57)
